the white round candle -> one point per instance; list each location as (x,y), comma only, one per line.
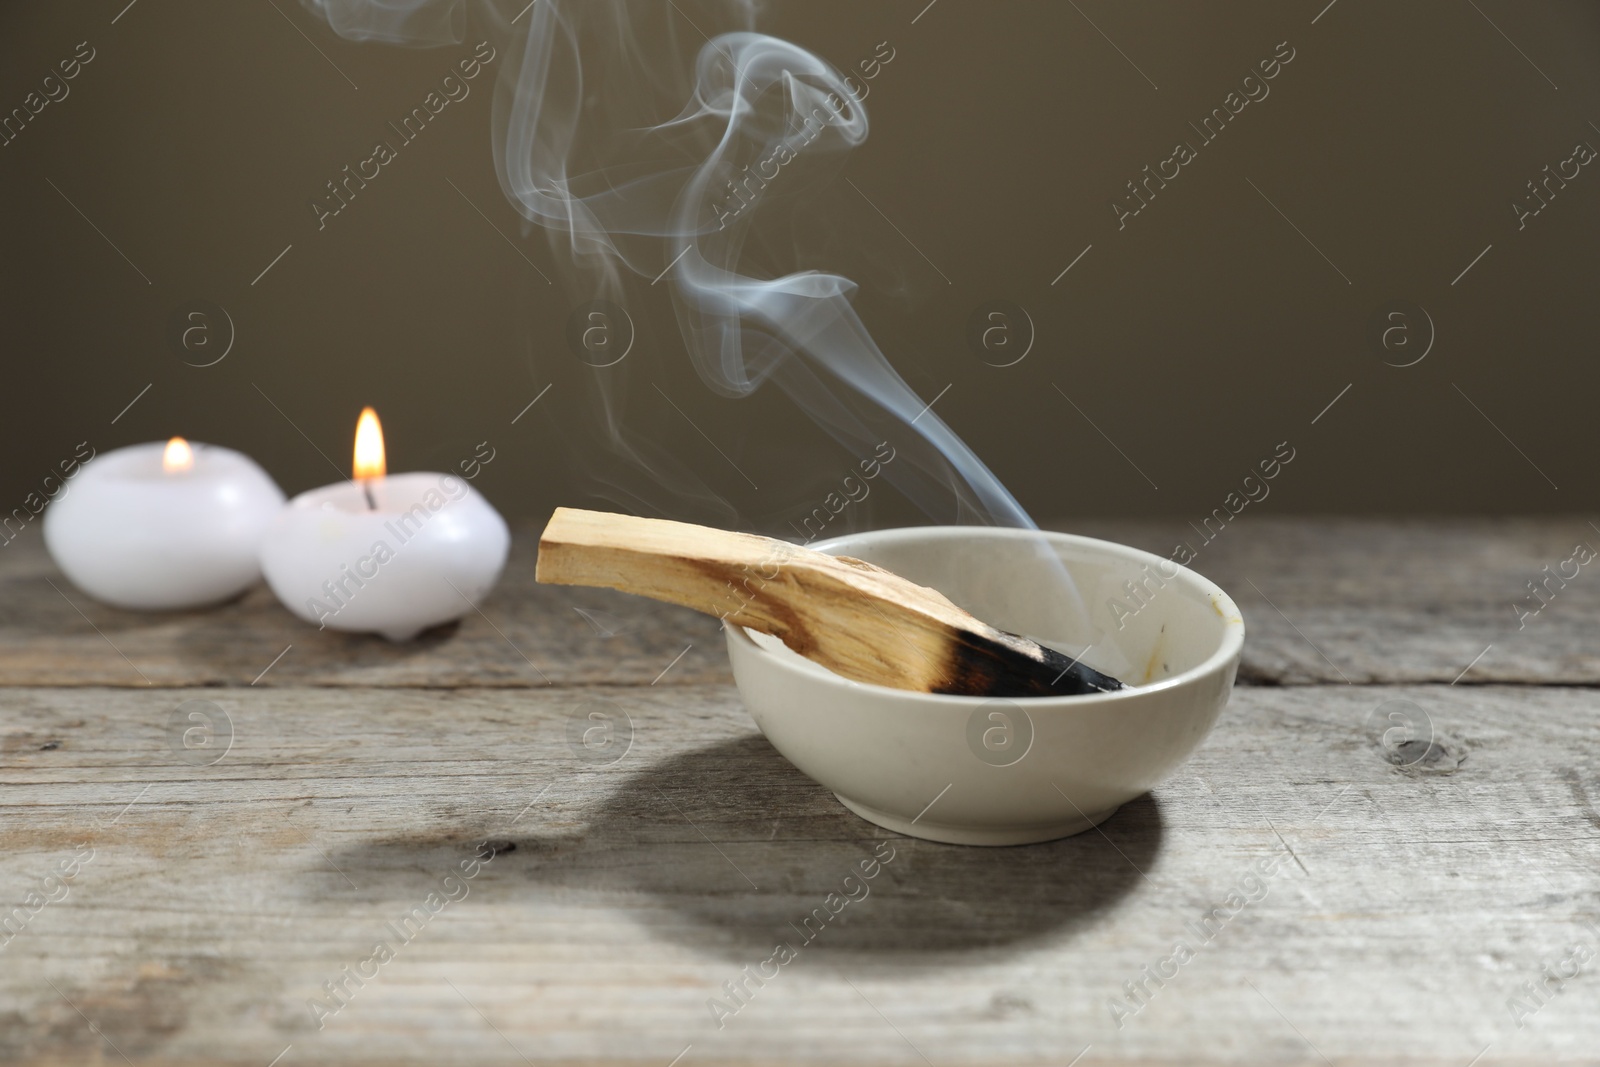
(427,553)
(163,525)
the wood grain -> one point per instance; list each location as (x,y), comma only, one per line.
(1325,600)
(526,634)
(1414,904)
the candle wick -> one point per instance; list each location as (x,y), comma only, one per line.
(366,489)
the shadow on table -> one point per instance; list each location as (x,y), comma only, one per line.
(735,851)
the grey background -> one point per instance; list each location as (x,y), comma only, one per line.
(1214,326)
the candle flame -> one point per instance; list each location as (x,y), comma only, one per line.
(177,457)
(369,457)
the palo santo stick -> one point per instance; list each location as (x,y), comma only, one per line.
(858,620)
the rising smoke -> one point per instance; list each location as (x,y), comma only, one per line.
(636,141)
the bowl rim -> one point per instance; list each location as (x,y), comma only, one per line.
(1229,649)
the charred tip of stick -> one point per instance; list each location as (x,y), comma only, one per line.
(996,670)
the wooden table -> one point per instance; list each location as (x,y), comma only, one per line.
(1420,775)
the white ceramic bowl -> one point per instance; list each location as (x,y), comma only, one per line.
(977,771)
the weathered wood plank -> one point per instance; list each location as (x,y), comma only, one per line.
(1357,600)
(1412,909)
(526,634)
